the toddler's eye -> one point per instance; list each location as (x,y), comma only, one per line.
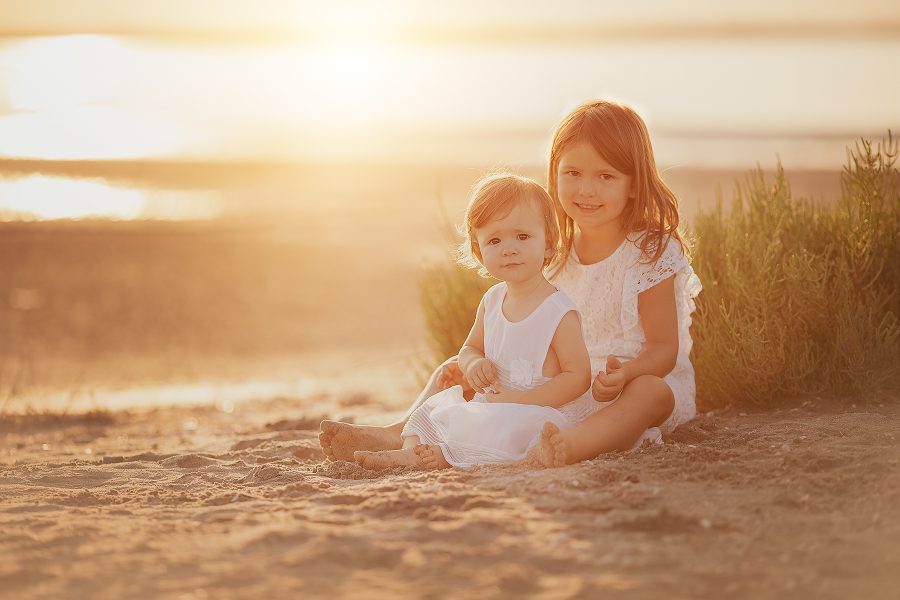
(493,241)
(523,236)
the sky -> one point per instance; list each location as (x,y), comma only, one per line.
(272,79)
(308,17)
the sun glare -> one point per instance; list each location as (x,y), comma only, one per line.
(349,69)
(65,71)
(43,198)
(62,91)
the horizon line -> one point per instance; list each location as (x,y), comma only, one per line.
(549,35)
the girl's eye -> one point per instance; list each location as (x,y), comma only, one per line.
(523,236)
(606,176)
(571,172)
(493,241)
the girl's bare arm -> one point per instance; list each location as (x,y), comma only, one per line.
(478,371)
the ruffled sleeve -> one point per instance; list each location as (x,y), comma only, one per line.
(642,276)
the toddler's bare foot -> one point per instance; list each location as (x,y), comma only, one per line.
(431,457)
(552,449)
(340,440)
(386,459)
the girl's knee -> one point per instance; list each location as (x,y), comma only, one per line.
(655,391)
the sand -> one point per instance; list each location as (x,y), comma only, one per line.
(800,502)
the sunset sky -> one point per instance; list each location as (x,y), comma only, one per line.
(271,79)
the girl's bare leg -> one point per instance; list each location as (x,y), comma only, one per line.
(413,454)
(647,401)
(431,456)
(340,440)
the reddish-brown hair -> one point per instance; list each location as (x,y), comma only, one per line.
(493,197)
(620,136)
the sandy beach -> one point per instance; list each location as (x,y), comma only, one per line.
(198,502)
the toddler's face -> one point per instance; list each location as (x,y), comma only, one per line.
(590,190)
(513,248)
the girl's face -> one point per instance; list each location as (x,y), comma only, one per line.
(513,248)
(591,191)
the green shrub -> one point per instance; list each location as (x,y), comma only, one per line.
(801,297)
(798,297)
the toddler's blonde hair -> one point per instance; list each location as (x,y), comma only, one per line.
(493,197)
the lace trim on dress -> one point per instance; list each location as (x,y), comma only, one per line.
(644,276)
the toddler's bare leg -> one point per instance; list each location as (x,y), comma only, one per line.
(645,402)
(412,454)
(431,457)
(340,440)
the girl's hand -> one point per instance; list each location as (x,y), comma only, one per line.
(452,375)
(481,374)
(503,394)
(610,384)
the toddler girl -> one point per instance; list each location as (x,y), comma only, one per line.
(525,355)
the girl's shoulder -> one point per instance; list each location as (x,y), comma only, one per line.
(645,272)
(672,254)
(562,301)
(671,244)
(494,294)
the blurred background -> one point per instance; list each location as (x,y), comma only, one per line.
(216,199)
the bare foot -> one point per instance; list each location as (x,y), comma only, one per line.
(385,459)
(431,457)
(340,440)
(552,450)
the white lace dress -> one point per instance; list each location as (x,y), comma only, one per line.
(478,432)
(606,294)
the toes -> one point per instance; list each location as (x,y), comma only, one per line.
(549,429)
(553,451)
(425,456)
(325,443)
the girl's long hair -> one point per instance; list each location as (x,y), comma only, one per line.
(620,136)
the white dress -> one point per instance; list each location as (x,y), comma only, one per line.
(478,432)
(606,294)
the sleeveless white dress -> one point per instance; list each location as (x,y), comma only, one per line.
(606,294)
(478,432)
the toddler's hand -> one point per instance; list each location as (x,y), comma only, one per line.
(452,375)
(503,394)
(481,374)
(610,384)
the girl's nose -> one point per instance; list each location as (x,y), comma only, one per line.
(585,189)
(509,250)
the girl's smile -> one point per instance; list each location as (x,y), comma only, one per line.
(591,190)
